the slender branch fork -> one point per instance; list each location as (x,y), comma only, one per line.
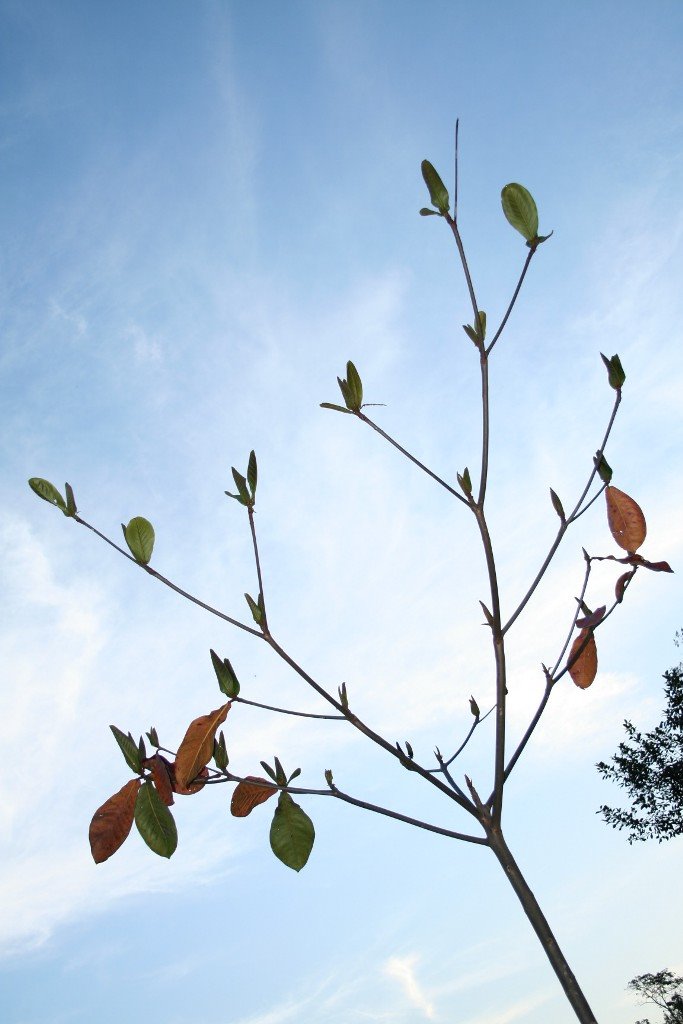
(488,814)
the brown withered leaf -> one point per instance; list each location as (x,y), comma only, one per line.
(192,787)
(161,774)
(592,620)
(653,566)
(249,793)
(583,668)
(112,822)
(626,520)
(196,749)
(621,585)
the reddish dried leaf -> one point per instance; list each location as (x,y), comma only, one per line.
(249,794)
(622,584)
(626,520)
(592,620)
(112,822)
(196,750)
(583,668)
(160,769)
(192,787)
(654,566)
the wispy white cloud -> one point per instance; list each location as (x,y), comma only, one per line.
(403,969)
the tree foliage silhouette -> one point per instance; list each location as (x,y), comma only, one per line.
(649,766)
(664,990)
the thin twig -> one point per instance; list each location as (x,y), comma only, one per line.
(338,794)
(451,759)
(252,527)
(577,612)
(512,302)
(367,731)
(565,524)
(416,462)
(463,259)
(286,711)
(167,582)
(455,189)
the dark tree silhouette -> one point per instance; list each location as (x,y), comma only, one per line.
(649,766)
(661,990)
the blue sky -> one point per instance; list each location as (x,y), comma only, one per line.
(207,209)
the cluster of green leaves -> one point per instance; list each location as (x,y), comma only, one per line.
(146,799)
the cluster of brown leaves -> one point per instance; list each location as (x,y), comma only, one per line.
(112,822)
(628,528)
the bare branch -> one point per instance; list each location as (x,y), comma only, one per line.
(167,583)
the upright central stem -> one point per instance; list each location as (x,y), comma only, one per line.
(564,973)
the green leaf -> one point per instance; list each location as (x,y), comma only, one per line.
(425,212)
(241,485)
(471,334)
(346,394)
(329,779)
(139,536)
(256,612)
(47,491)
(153,737)
(71,509)
(129,749)
(155,822)
(291,833)
(337,408)
(280,776)
(252,474)
(520,210)
(355,385)
(343,696)
(465,481)
(220,752)
(266,767)
(482,324)
(295,775)
(227,680)
(438,192)
(142,751)
(474,707)
(557,505)
(603,467)
(615,371)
